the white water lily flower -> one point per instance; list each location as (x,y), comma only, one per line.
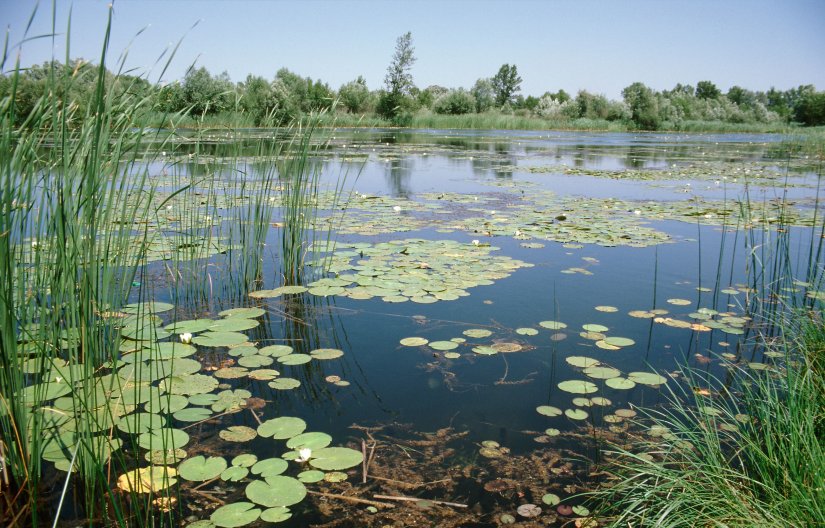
(476,242)
(186,338)
(397,208)
(303,454)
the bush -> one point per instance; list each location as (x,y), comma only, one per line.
(455,102)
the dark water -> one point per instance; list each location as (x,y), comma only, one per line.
(495,397)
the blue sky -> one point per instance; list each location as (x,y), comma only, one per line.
(601,46)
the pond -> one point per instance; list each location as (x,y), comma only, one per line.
(482,314)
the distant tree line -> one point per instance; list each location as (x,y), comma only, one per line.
(288,96)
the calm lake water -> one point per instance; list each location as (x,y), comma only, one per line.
(623,256)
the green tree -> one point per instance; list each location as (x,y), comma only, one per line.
(506,83)
(205,94)
(258,98)
(484,93)
(811,109)
(354,95)
(707,90)
(399,81)
(641,101)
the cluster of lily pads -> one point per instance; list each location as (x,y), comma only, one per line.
(417,270)
(157,383)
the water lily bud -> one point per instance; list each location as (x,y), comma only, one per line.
(186,338)
(303,454)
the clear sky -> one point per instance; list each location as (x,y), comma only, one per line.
(601,46)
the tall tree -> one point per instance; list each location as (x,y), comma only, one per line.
(398,80)
(506,83)
(707,90)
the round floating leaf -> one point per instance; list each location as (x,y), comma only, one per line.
(506,348)
(165,457)
(138,423)
(582,402)
(595,328)
(552,325)
(164,438)
(193,414)
(276,515)
(581,511)
(581,361)
(235,515)
(551,499)
(578,386)
(443,345)
(552,431)
(285,384)
(238,433)
(295,359)
(335,476)
(528,510)
(192,326)
(269,467)
(452,355)
(606,346)
(485,350)
(679,302)
(311,475)
(548,410)
(607,309)
(245,460)
(166,403)
(203,399)
(310,440)
(620,383)
(647,378)
(326,353)
(220,339)
(527,331)
(282,427)
(201,469)
(276,350)
(601,372)
(234,474)
(335,458)
(255,361)
(246,313)
(150,479)
(598,400)
(619,341)
(477,333)
(151,307)
(171,350)
(576,414)
(232,324)
(189,384)
(276,491)
(264,374)
(413,341)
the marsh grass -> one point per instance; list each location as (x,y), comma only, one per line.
(749,449)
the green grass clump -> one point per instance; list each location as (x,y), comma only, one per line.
(751,453)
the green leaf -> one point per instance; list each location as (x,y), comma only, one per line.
(335,458)
(235,515)
(200,469)
(276,491)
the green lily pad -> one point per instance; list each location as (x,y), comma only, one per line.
(477,333)
(276,515)
(192,326)
(527,331)
(310,476)
(245,460)
(601,372)
(581,361)
(246,313)
(620,383)
(311,440)
(335,458)
(189,384)
(255,361)
(151,307)
(164,438)
(276,491)
(548,410)
(139,423)
(201,469)
(551,499)
(619,341)
(220,339)
(269,467)
(485,350)
(413,341)
(295,359)
(326,353)
(234,474)
(595,328)
(443,345)
(282,427)
(235,515)
(578,386)
(171,350)
(232,324)
(238,433)
(284,384)
(576,414)
(193,414)
(165,457)
(552,325)
(276,350)
(647,378)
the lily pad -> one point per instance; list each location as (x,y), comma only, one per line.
(276,515)
(234,474)
(295,359)
(284,384)
(282,427)
(269,467)
(619,341)
(235,515)
(576,414)
(220,339)
(310,476)
(335,458)
(276,491)
(477,332)
(165,438)
(647,378)
(326,353)
(311,440)
(553,325)
(620,383)
(414,341)
(201,469)
(548,410)
(247,313)
(578,386)
(238,433)
(581,361)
